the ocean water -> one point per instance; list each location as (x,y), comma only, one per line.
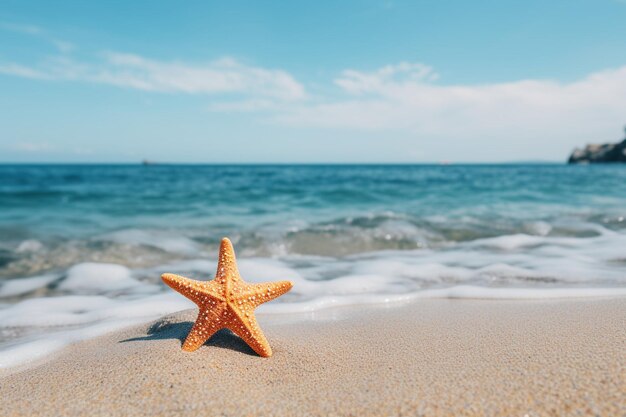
(82,247)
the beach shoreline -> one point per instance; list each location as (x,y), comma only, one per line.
(430,357)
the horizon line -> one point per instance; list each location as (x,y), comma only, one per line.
(157,163)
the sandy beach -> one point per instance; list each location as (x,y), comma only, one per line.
(431,357)
(355,208)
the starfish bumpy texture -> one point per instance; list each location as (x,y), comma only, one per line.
(227,302)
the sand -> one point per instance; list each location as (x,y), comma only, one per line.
(430,357)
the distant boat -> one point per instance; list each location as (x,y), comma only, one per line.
(148,162)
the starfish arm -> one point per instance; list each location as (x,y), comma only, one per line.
(258,294)
(227,262)
(205,326)
(248,329)
(196,291)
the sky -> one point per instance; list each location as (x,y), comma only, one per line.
(309,81)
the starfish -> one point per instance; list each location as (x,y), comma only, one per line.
(227,302)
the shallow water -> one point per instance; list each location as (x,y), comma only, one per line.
(82,247)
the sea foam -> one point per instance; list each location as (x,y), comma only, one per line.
(89,299)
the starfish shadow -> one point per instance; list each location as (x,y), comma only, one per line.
(224,338)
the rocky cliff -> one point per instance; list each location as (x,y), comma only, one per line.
(599,153)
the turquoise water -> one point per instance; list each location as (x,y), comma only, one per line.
(275,210)
(84,245)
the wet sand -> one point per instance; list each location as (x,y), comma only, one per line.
(430,357)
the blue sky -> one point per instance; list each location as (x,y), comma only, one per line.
(341,81)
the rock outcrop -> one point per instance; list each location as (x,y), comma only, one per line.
(599,153)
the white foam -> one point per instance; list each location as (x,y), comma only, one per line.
(521,240)
(96,315)
(54,311)
(29,245)
(157,239)
(254,269)
(14,287)
(99,277)
(456,292)
(28,351)
(261,270)
(539,228)
(196,265)
(95,297)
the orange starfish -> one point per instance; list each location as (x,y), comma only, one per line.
(227,302)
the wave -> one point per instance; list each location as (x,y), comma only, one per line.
(343,236)
(42,313)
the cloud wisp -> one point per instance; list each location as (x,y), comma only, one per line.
(32,30)
(225,75)
(35,31)
(32,147)
(358,82)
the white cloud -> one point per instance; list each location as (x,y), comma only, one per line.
(45,147)
(221,76)
(32,147)
(136,72)
(63,46)
(21,28)
(245,105)
(23,71)
(381,80)
(520,113)
(35,31)
(83,151)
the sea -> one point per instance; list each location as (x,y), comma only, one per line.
(82,247)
